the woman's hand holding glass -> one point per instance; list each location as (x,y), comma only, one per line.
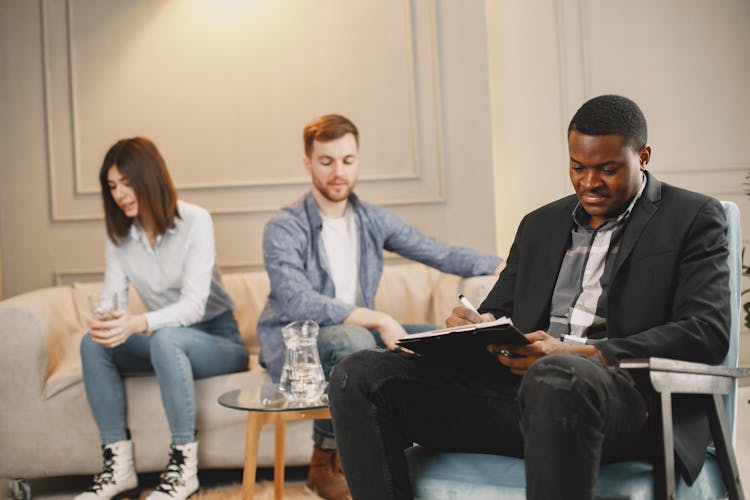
(110,326)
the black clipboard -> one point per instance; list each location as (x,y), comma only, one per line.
(464,341)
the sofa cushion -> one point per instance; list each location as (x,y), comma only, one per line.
(409,291)
(71,319)
(249,291)
(405,292)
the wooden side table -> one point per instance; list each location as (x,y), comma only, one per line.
(265,405)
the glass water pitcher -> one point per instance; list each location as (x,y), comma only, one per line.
(302,378)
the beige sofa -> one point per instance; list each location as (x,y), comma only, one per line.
(46,427)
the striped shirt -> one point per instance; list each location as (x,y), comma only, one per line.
(579,302)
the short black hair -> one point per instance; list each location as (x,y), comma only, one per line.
(611,114)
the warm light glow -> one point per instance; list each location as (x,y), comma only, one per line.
(243,77)
(224,23)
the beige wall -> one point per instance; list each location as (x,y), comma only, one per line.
(224,89)
(420,71)
(687,63)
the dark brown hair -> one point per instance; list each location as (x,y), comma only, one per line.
(142,165)
(328,128)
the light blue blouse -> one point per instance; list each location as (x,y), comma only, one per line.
(177,279)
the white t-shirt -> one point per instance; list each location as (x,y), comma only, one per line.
(341,243)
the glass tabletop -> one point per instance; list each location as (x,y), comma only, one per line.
(266,397)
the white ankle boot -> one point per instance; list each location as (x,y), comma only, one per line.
(180,480)
(118,475)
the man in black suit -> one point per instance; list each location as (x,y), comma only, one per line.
(628,267)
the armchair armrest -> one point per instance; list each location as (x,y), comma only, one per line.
(674,365)
(684,377)
(669,376)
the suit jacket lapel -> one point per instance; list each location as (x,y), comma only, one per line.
(557,243)
(551,254)
(644,209)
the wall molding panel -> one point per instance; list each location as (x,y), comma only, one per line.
(224,89)
(95,94)
(64,277)
(571,59)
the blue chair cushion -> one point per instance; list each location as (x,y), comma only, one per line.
(453,476)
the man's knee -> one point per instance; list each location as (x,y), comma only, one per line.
(352,368)
(341,340)
(362,371)
(556,382)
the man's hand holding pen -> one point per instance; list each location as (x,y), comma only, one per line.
(466,314)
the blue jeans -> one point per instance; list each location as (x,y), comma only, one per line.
(565,416)
(177,355)
(335,342)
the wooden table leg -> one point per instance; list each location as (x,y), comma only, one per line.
(278,466)
(254,425)
(255,422)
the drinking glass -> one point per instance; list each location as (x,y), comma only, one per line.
(102,306)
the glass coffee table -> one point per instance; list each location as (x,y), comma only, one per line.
(266,405)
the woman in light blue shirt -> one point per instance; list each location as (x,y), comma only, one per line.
(164,248)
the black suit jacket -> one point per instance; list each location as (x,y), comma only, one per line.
(668,296)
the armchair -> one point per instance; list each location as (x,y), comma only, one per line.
(441,475)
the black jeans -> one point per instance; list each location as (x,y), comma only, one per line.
(565,416)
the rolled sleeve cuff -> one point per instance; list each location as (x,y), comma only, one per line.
(156,320)
(338,311)
(487,265)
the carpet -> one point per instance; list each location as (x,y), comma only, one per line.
(263,491)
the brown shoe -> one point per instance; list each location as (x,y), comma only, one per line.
(325,477)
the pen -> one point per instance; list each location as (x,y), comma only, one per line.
(466,303)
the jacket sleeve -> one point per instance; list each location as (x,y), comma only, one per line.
(499,301)
(699,317)
(409,242)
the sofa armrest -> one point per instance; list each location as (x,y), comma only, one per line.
(39,336)
(446,290)
(477,288)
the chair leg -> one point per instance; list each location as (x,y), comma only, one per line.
(724,450)
(664,471)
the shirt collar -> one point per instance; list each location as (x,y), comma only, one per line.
(581,218)
(313,212)
(139,235)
